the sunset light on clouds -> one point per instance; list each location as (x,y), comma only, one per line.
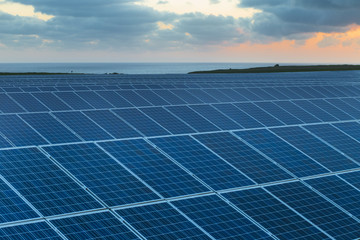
(175,30)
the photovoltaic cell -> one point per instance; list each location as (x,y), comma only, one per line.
(51,101)
(83,126)
(12,207)
(154,168)
(27,101)
(8,105)
(42,183)
(35,231)
(195,120)
(238,116)
(112,124)
(278,112)
(115,99)
(95,100)
(282,152)
(280,220)
(315,148)
(219,219)
(141,122)
(165,222)
(316,209)
(246,159)
(50,128)
(167,120)
(202,162)
(95,226)
(18,132)
(338,191)
(216,117)
(353,178)
(101,174)
(337,139)
(73,100)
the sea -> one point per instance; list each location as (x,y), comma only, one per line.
(124,68)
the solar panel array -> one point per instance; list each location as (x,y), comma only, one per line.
(258,156)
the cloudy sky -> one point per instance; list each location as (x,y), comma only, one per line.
(312,31)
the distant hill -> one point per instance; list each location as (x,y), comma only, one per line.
(277,69)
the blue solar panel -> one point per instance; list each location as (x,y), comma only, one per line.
(192,118)
(323,104)
(8,105)
(12,207)
(141,122)
(167,120)
(42,183)
(213,215)
(315,110)
(215,156)
(259,114)
(353,178)
(282,152)
(246,159)
(101,174)
(73,100)
(238,116)
(202,162)
(316,209)
(18,132)
(95,100)
(154,168)
(51,101)
(95,226)
(216,117)
(134,98)
(338,191)
(278,112)
(114,98)
(50,128)
(83,126)
(112,124)
(28,102)
(161,221)
(35,231)
(152,97)
(272,214)
(315,148)
(337,139)
(169,97)
(298,112)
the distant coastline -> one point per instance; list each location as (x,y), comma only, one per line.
(279,69)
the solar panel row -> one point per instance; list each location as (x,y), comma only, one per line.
(193,162)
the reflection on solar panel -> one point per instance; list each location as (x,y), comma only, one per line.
(258,156)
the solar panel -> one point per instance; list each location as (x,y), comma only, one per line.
(44,184)
(165,221)
(243,157)
(154,168)
(94,226)
(35,231)
(111,182)
(234,156)
(206,165)
(272,214)
(50,128)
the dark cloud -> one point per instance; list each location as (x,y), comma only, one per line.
(116,25)
(290,18)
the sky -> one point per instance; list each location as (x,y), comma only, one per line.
(279,31)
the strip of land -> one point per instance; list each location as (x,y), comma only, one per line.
(278,69)
(36,73)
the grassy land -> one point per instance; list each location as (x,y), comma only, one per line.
(277,69)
